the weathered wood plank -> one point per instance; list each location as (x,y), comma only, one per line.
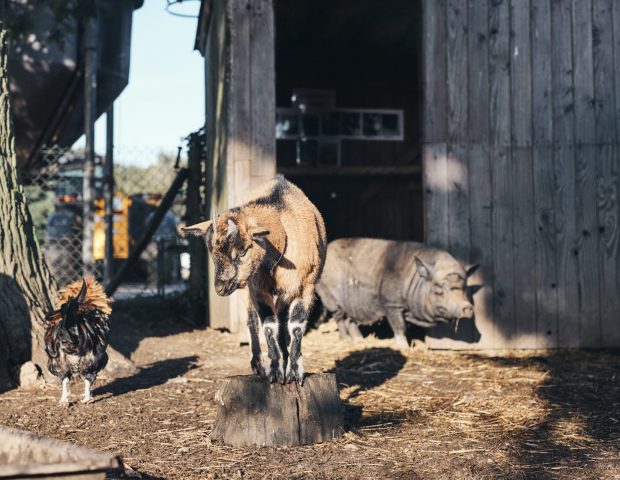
(562,73)
(546,282)
(603,60)
(240,97)
(586,246)
(606,158)
(434,99)
(482,242)
(586,243)
(542,98)
(435,181)
(583,81)
(458,201)
(458,214)
(566,252)
(545,285)
(520,73)
(499,73)
(616,50)
(503,267)
(478,70)
(524,257)
(480,169)
(501,167)
(457,71)
(458,164)
(524,250)
(564,165)
(609,235)
(263,88)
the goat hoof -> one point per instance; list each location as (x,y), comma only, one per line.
(293,376)
(276,375)
(87,400)
(64,402)
(258,369)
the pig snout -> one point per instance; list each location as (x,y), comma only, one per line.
(467,312)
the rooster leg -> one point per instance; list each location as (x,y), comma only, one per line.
(64,398)
(88,382)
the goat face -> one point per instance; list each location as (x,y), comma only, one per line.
(237,247)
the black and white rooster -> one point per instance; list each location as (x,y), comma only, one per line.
(77,335)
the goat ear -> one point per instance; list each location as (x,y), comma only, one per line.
(198,229)
(471,269)
(422,269)
(258,232)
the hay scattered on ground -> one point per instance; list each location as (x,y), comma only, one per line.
(414,414)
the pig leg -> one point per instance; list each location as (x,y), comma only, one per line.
(353,329)
(341,321)
(397,322)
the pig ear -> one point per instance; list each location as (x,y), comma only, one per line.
(422,269)
(471,269)
(199,229)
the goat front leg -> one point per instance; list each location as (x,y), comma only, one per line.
(271,330)
(297,321)
(257,356)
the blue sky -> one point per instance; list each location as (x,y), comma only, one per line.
(164,100)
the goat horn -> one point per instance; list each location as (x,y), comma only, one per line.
(232,228)
(214,221)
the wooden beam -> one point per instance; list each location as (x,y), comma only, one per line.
(353,171)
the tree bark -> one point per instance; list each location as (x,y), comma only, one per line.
(26,285)
(252,411)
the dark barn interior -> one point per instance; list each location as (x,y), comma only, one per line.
(365,53)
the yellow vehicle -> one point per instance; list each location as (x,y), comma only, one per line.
(121,238)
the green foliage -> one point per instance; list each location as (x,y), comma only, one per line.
(41,204)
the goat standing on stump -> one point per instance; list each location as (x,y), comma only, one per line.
(274,245)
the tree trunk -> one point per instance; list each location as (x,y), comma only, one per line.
(26,285)
(252,411)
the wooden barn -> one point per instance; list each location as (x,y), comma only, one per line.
(488,127)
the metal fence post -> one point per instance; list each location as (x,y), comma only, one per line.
(90,115)
(108,195)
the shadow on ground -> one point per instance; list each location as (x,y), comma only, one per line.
(155,374)
(585,394)
(362,371)
(139,318)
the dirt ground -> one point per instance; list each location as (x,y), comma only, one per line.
(411,415)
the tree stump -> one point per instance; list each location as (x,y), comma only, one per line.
(252,411)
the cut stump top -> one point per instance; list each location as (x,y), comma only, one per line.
(252,411)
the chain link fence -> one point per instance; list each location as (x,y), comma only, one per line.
(54,186)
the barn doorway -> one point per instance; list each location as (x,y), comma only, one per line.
(347,128)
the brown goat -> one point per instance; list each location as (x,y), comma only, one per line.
(274,244)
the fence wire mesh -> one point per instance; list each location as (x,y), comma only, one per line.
(142,176)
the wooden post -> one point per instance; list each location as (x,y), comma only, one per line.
(252,411)
(198,261)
